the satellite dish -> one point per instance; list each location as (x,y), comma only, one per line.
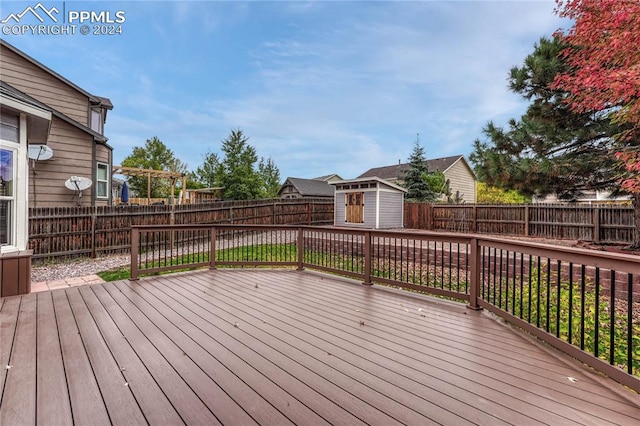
(39,152)
(78,183)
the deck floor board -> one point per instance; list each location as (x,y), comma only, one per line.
(268,347)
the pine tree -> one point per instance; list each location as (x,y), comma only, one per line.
(414,177)
(551,149)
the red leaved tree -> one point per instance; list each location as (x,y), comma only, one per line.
(604,57)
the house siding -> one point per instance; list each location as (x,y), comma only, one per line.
(36,82)
(461,179)
(72,156)
(391,214)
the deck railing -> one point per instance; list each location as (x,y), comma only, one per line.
(585,303)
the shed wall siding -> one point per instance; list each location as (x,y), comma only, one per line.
(72,156)
(339,209)
(35,82)
(391,204)
(369,209)
(461,179)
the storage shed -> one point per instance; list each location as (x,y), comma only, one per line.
(368,203)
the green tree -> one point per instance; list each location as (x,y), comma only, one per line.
(486,194)
(436,183)
(414,178)
(238,176)
(209,174)
(551,149)
(153,156)
(269,177)
(238,171)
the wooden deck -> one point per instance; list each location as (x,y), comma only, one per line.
(243,347)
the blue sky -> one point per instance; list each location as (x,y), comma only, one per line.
(320,87)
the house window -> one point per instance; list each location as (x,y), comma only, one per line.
(7,195)
(96,120)
(102,180)
(9,125)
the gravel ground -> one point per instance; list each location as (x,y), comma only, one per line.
(77,268)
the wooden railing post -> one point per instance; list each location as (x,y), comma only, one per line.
(135,252)
(474,275)
(526,221)
(367,258)
(300,244)
(212,248)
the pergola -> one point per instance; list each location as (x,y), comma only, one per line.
(158,174)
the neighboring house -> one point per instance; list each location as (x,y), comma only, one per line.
(368,203)
(298,187)
(457,172)
(587,197)
(74,132)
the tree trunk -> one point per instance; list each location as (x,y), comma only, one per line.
(636,214)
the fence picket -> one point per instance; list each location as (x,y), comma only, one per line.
(65,232)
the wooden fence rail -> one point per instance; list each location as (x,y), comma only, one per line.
(64,232)
(599,224)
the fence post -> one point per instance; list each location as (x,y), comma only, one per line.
(300,249)
(135,244)
(273,213)
(430,217)
(367,258)
(212,248)
(93,231)
(526,221)
(475,219)
(596,224)
(474,275)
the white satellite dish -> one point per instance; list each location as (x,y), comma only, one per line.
(39,152)
(78,183)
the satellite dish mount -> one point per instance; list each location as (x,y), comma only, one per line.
(38,153)
(78,184)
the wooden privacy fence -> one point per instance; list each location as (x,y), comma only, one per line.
(94,231)
(600,224)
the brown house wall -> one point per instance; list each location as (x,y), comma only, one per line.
(72,156)
(34,81)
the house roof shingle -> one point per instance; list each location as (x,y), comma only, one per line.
(311,187)
(395,171)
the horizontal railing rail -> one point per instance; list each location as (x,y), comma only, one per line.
(584,302)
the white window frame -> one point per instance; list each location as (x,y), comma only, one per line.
(18,212)
(99,181)
(96,122)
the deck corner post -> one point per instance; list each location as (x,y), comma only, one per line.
(212,248)
(474,275)
(135,251)
(367,258)
(300,245)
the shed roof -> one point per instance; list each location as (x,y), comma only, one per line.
(370,179)
(311,187)
(395,171)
